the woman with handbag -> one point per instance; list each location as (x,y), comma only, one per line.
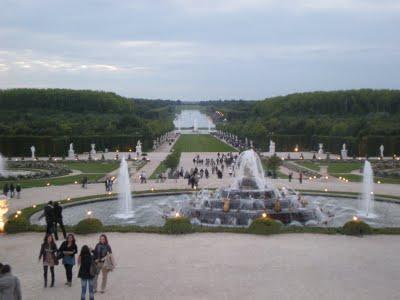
(100,252)
(67,252)
(86,272)
(48,252)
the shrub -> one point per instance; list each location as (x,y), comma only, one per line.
(264,226)
(14,225)
(89,225)
(178,225)
(356,228)
(172,160)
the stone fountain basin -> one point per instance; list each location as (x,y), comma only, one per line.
(150,208)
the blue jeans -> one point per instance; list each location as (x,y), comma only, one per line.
(84,283)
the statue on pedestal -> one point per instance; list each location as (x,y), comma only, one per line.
(33,149)
(71,152)
(320,150)
(93,150)
(139,148)
(343,152)
(381,149)
(271,147)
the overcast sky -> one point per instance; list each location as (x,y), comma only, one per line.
(200,49)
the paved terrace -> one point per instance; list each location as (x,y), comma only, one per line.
(224,266)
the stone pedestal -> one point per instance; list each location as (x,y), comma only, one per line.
(343,153)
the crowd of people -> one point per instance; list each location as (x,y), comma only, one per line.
(12,190)
(109,184)
(92,262)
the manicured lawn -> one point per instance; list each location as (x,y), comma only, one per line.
(342,167)
(309,165)
(28,183)
(359,178)
(350,177)
(160,169)
(93,167)
(92,170)
(201,143)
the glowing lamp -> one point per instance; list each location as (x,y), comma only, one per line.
(355,218)
(152,189)
(76,182)
(48,184)
(19,212)
(89,213)
(264,215)
(68,199)
(325,190)
(34,206)
(177,215)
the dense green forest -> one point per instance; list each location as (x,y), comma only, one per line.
(361,118)
(51,118)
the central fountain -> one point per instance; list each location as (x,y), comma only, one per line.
(124,192)
(248,197)
(3,172)
(367,197)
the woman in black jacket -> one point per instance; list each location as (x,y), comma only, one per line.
(48,252)
(67,251)
(85,260)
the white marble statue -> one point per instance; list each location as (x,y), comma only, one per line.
(343,152)
(381,149)
(93,150)
(321,149)
(271,147)
(71,152)
(139,148)
(33,149)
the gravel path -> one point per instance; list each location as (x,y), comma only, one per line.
(225,266)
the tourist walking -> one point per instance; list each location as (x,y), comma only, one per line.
(67,252)
(10,288)
(12,190)
(58,220)
(100,252)
(301,177)
(290,176)
(47,253)
(6,189)
(18,190)
(49,217)
(86,272)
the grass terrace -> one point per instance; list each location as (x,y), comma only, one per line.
(201,143)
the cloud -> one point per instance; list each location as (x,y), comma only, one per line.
(237,6)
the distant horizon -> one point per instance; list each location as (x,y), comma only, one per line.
(202,100)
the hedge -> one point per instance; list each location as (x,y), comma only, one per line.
(264,225)
(178,225)
(89,225)
(357,228)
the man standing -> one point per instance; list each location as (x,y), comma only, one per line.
(49,216)
(10,288)
(58,220)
